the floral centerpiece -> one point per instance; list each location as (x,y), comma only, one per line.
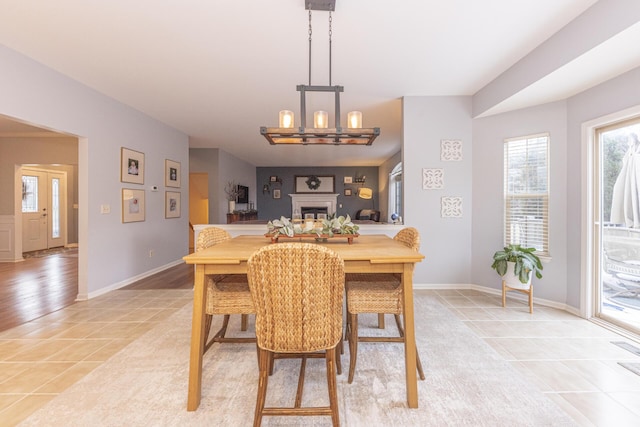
(321,229)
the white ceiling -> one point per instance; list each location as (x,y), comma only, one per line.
(218,70)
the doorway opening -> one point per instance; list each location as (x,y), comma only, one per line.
(44,208)
(616,290)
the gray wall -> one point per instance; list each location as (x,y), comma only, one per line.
(446,242)
(110,253)
(270,208)
(488,207)
(221,168)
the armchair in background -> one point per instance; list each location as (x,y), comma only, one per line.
(368,214)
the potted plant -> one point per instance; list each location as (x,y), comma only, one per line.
(231,189)
(516,264)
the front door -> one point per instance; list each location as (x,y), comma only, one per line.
(43,209)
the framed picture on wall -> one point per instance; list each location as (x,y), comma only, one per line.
(171,173)
(171,204)
(243,194)
(131,166)
(276,193)
(347,192)
(132,205)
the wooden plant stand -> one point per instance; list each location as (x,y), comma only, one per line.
(529,292)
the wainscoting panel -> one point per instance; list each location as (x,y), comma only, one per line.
(7,239)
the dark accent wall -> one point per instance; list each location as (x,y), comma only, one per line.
(270,208)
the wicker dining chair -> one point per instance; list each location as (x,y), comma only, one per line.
(298,291)
(377,293)
(226,293)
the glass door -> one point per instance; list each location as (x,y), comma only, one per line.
(617,293)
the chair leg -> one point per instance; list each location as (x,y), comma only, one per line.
(244,322)
(399,325)
(339,358)
(347,328)
(381,320)
(207,327)
(332,386)
(223,329)
(263,363)
(353,345)
(531,299)
(419,365)
(303,366)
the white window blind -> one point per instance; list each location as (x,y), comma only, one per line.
(526,191)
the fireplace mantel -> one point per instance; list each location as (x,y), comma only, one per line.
(300,200)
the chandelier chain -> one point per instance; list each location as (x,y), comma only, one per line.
(310,33)
(330,33)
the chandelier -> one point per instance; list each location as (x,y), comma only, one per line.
(320,133)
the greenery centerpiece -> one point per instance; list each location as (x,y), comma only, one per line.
(321,228)
(524,260)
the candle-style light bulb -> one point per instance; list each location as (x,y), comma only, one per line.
(286,119)
(321,120)
(354,120)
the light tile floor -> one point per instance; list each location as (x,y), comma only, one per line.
(570,359)
(42,358)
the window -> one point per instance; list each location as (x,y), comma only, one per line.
(29,194)
(55,208)
(526,192)
(395,192)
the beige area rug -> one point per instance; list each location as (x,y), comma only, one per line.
(467,383)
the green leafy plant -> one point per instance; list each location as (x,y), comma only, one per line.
(329,227)
(524,258)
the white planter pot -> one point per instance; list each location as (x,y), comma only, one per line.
(512,280)
(232,206)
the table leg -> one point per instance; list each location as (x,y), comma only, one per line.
(197,341)
(409,336)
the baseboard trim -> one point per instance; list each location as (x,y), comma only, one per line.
(128,281)
(510,295)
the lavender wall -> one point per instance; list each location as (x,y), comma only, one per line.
(110,253)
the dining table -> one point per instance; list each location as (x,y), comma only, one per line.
(364,254)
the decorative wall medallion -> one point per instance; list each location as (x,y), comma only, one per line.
(451,207)
(450,150)
(432,179)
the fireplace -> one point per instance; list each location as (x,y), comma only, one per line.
(315,203)
(315,210)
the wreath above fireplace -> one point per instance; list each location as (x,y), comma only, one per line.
(315,183)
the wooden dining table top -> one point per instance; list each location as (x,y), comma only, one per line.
(371,248)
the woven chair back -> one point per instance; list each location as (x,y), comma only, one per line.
(409,237)
(297,290)
(211,236)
